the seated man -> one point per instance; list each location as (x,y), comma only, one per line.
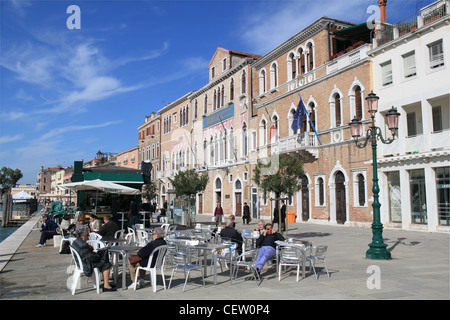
(232,234)
(141,259)
(48,230)
(266,242)
(108,230)
(93,260)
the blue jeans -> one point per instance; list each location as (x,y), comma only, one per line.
(265,253)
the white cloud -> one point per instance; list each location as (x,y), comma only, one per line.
(270,24)
(6,139)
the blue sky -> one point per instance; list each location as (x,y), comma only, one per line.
(65,94)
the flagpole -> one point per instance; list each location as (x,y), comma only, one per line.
(310,121)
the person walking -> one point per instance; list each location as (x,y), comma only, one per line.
(246,215)
(218,213)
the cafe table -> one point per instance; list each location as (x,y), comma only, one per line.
(125,251)
(292,244)
(213,248)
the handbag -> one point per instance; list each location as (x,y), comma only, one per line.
(134,259)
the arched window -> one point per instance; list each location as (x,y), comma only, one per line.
(244,82)
(263,133)
(205,105)
(301,62)
(321,192)
(274,130)
(312,115)
(291,67)
(222,101)
(361,190)
(195,109)
(337,108)
(218,184)
(273,76)
(358,103)
(232,90)
(262,81)
(219,99)
(215,100)
(238,185)
(244,140)
(310,52)
(187,115)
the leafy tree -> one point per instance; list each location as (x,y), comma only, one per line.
(150,191)
(9,178)
(280,174)
(188,183)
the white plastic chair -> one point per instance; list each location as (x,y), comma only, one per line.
(78,271)
(166,227)
(289,256)
(142,237)
(130,238)
(161,252)
(119,233)
(96,244)
(319,255)
(180,261)
(94,236)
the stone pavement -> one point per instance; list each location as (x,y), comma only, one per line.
(419,269)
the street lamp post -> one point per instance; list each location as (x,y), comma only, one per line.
(377,249)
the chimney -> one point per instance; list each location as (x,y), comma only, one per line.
(382,5)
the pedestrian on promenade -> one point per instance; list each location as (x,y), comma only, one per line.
(142,256)
(92,260)
(246,215)
(218,213)
(266,242)
(133,214)
(48,230)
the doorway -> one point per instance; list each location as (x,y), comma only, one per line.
(341,214)
(305,199)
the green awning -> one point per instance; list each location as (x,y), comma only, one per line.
(357,32)
(117,177)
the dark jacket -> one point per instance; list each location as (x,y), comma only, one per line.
(269,240)
(87,255)
(218,211)
(49,225)
(146,251)
(233,235)
(246,211)
(108,230)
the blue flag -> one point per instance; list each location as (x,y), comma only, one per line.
(298,117)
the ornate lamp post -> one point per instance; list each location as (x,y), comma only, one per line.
(377,250)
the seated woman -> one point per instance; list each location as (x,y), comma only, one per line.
(93,260)
(94,223)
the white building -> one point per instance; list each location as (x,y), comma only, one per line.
(411,71)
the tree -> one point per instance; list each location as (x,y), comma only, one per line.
(9,178)
(188,183)
(150,191)
(282,179)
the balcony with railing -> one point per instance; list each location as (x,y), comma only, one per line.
(387,32)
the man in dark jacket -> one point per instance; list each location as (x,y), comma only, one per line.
(246,215)
(143,256)
(91,259)
(48,230)
(266,242)
(232,234)
(108,230)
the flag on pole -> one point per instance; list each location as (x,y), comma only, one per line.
(298,117)
(267,113)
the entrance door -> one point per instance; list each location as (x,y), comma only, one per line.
(238,198)
(305,199)
(200,203)
(340,198)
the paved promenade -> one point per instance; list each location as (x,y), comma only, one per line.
(419,269)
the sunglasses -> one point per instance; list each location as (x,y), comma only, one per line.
(269,229)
